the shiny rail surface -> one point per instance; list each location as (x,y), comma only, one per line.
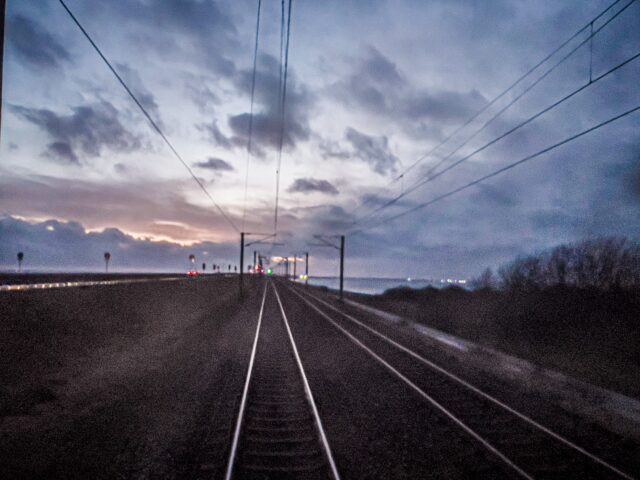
(278,433)
(527,448)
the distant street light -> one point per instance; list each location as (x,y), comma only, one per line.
(20,258)
(107,257)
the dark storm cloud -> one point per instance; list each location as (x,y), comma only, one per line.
(86,132)
(310,185)
(380,69)
(199,91)
(434,245)
(371,82)
(192,17)
(442,106)
(148,205)
(216,164)
(492,196)
(373,200)
(34,45)
(377,86)
(331,149)
(146,98)
(214,134)
(62,151)
(324,218)
(632,173)
(550,219)
(372,150)
(67,245)
(577,193)
(267,118)
(198,30)
(266,130)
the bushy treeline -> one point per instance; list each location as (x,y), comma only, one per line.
(603,263)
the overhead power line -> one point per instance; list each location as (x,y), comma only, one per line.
(280,77)
(146,114)
(507,90)
(587,26)
(282,114)
(496,172)
(589,39)
(430,177)
(250,133)
(282,34)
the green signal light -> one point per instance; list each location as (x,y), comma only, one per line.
(269,272)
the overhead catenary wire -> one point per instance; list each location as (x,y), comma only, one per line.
(588,39)
(461,127)
(282,114)
(495,172)
(282,34)
(430,177)
(250,132)
(280,75)
(144,111)
(505,91)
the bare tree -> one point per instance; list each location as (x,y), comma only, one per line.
(524,273)
(558,265)
(485,280)
(604,263)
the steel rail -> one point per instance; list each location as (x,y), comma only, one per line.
(469,386)
(309,395)
(506,460)
(245,393)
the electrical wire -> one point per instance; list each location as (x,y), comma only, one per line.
(146,114)
(503,93)
(250,133)
(430,177)
(507,90)
(589,39)
(282,115)
(496,172)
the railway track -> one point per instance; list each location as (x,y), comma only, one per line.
(526,448)
(278,431)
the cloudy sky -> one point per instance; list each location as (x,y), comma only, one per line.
(372,87)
